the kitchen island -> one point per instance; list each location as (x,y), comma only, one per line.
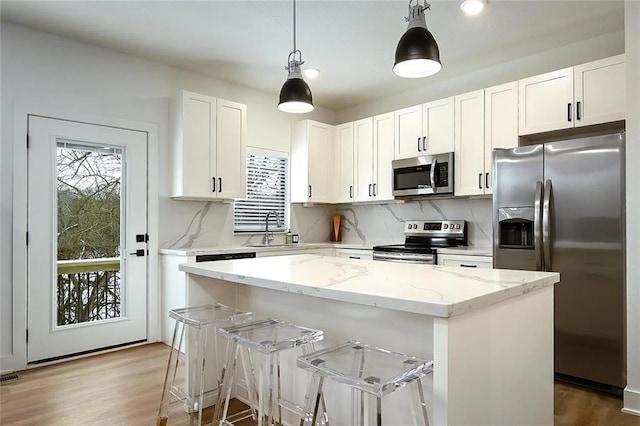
(489,332)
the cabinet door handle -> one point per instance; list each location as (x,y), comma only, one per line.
(578,115)
(569,112)
(214,184)
(486,180)
(480,180)
(309,191)
(419,146)
(374,189)
(220,185)
(351,191)
(468,266)
(424,143)
(369,190)
(354,257)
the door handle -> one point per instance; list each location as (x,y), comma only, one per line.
(419,149)
(479,180)
(370,190)
(139,252)
(220,186)
(424,143)
(569,112)
(537,225)
(546,225)
(374,189)
(486,180)
(578,115)
(214,184)
(309,191)
(468,266)
(432,174)
(350,191)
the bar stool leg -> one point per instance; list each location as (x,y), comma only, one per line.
(422,402)
(249,376)
(170,376)
(196,382)
(313,402)
(227,378)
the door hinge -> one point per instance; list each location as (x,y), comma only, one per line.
(27,335)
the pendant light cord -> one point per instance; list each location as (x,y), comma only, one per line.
(294,25)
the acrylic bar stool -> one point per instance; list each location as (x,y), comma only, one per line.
(199,320)
(369,371)
(266,338)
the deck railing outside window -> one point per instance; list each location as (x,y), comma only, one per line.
(88,290)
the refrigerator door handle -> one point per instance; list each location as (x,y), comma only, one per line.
(537,225)
(546,225)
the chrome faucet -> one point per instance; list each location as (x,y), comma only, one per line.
(268,238)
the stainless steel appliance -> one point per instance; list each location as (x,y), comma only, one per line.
(559,207)
(422,239)
(426,175)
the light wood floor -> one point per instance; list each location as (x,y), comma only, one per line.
(123,388)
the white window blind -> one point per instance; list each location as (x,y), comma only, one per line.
(267,190)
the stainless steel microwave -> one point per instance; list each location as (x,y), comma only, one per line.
(426,175)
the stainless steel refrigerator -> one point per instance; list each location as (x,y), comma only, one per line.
(559,207)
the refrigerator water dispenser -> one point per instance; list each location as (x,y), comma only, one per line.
(515,227)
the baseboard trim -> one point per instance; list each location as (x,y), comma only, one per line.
(631,401)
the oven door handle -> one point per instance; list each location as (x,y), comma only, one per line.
(403,258)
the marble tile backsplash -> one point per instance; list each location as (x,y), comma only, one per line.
(384,223)
(195,224)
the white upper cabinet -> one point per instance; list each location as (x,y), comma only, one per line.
(546,102)
(311,163)
(344,162)
(409,132)
(424,129)
(383,143)
(500,124)
(363,131)
(374,138)
(438,127)
(231,155)
(209,147)
(587,94)
(600,91)
(469,144)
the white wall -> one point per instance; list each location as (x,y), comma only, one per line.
(56,74)
(632,40)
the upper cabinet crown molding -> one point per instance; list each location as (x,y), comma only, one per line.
(208,147)
(586,94)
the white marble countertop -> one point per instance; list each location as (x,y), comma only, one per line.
(430,290)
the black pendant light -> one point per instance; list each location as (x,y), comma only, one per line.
(295,95)
(417,54)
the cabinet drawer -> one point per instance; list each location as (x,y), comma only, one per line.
(465,261)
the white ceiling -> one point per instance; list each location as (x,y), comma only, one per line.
(352,42)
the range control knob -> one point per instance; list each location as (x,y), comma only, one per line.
(446,226)
(457,226)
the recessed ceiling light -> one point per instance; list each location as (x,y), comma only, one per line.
(311,73)
(473,7)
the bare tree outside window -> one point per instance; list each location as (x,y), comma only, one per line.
(89,209)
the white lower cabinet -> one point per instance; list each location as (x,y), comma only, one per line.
(355,253)
(465,261)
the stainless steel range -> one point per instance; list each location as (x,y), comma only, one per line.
(422,239)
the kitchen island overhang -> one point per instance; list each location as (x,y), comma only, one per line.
(489,332)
